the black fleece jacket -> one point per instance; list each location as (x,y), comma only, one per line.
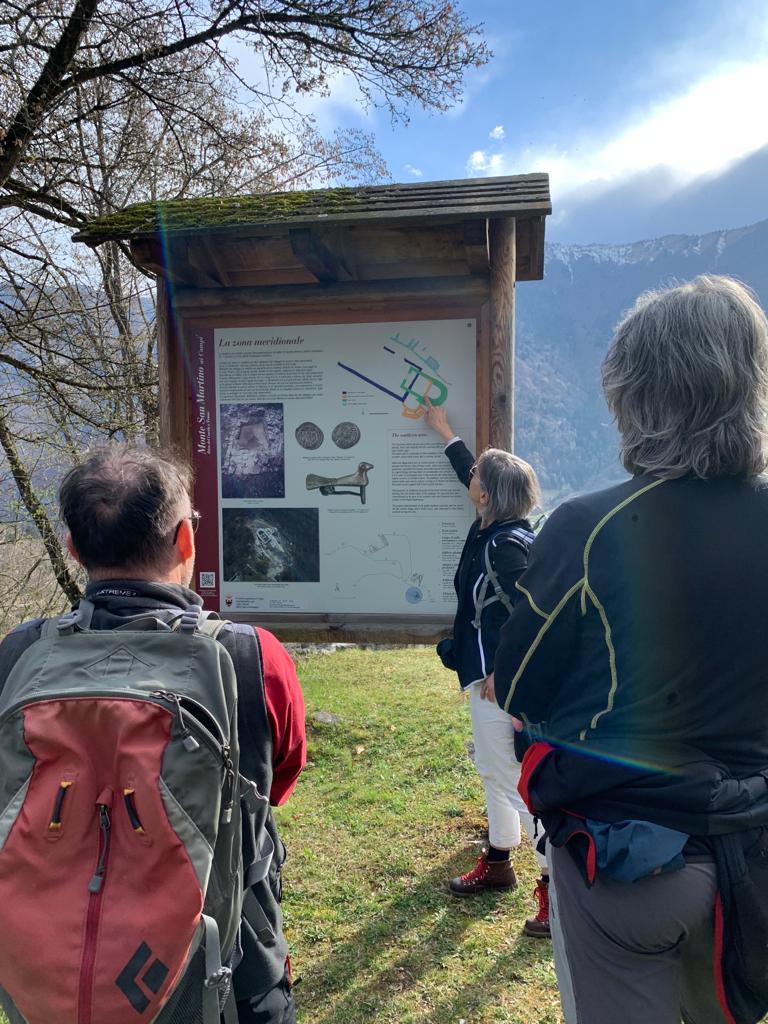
(641,634)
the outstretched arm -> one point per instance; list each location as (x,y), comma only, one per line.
(460,457)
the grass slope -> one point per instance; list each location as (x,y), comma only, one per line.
(389,808)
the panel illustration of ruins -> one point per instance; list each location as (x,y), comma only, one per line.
(252,450)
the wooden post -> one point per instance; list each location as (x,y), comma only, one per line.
(174,431)
(502,327)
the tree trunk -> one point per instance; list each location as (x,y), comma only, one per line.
(37,511)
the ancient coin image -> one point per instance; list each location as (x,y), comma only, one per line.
(346,435)
(309,435)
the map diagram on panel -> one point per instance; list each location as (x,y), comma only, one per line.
(412,376)
(387,558)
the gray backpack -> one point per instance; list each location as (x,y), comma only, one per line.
(122,820)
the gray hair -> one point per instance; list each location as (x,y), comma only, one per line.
(686,378)
(121,505)
(509,482)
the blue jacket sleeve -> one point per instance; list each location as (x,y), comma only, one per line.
(537,641)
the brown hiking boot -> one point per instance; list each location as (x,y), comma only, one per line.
(486,874)
(537,927)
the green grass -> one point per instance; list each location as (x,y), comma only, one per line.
(388,809)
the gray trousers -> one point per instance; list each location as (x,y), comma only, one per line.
(634,952)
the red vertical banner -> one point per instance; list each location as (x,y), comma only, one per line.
(201,361)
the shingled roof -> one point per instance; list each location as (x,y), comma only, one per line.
(524,195)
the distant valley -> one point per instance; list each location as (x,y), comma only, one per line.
(565,323)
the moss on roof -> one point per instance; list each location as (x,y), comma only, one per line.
(219,211)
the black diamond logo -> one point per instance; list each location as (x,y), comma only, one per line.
(152,978)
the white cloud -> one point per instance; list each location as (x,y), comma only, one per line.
(415,171)
(478,161)
(700,132)
(482,162)
(497,132)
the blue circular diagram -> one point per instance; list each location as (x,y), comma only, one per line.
(413,595)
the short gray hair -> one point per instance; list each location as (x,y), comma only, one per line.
(121,504)
(509,482)
(686,378)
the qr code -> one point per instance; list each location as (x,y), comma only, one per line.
(207,580)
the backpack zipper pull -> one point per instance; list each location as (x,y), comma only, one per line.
(105,825)
(188,740)
(229,789)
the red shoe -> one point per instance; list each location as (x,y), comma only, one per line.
(486,874)
(537,927)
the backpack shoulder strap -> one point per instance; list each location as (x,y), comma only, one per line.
(211,626)
(78,619)
(520,538)
(490,572)
(194,620)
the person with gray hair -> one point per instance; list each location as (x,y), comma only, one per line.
(131,525)
(504,489)
(636,665)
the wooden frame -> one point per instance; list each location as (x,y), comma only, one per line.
(434,251)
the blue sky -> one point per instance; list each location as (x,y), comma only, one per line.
(649,115)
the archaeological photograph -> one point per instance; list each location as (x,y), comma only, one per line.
(252,450)
(271,545)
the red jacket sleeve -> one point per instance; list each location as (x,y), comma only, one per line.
(285,709)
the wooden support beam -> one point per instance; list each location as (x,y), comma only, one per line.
(475,233)
(172,264)
(453,289)
(312,252)
(173,384)
(502,330)
(213,256)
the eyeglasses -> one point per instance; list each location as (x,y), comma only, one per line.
(194,518)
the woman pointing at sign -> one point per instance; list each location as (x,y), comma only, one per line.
(504,490)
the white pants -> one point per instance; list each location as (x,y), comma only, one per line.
(500,771)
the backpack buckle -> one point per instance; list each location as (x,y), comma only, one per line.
(218,978)
(250,795)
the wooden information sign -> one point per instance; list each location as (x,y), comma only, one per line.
(300,336)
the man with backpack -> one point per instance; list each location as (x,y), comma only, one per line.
(141,745)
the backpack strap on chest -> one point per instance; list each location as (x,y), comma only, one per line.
(491,578)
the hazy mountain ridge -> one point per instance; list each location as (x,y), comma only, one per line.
(565,323)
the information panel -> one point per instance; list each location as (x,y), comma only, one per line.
(322,489)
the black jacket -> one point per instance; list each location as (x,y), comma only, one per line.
(639,652)
(116,603)
(642,631)
(474,649)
